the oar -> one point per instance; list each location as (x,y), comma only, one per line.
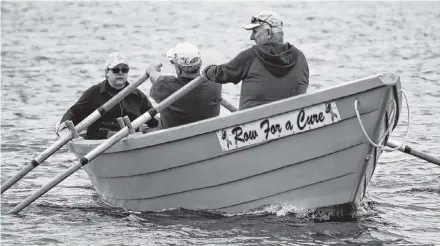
(109,142)
(79,128)
(411,151)
(390,143)
(228,106)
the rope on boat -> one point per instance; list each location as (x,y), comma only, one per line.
(391,120)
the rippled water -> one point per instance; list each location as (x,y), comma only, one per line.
(52,51)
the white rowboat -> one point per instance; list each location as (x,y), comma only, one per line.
(307,151)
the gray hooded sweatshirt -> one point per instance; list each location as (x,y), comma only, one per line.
(269,72)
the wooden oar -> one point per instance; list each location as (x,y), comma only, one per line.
(79,128)
(109,142)
(390,143)
(411,151)
(228,106)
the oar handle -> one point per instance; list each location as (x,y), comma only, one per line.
(79,128)
(109,142)
(409,150)
(227,105)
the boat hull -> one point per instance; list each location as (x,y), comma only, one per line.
(205,165)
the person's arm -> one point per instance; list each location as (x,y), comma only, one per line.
(81,109)
(154,76)
(303,83)
(234,71)
(154,72)
(76,113)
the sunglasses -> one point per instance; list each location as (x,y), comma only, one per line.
(255,20)
(124,69)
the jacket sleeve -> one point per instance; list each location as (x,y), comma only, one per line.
(234,71)
(304,81)
(81,109)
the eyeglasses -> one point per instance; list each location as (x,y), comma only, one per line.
(124,69)
(255,20)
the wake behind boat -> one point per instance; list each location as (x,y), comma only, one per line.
(307,151)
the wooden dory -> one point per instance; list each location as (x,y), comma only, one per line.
(308,151)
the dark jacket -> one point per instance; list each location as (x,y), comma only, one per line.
(269,72)
(200,103)
(133,105)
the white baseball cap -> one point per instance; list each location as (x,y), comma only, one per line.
(185,54)
(271,18)
(114,59)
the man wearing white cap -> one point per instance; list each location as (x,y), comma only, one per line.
(133,105)
(201,103)
(270,70)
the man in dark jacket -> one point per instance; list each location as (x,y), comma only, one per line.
(133,105)
(200,103)
(270,70)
